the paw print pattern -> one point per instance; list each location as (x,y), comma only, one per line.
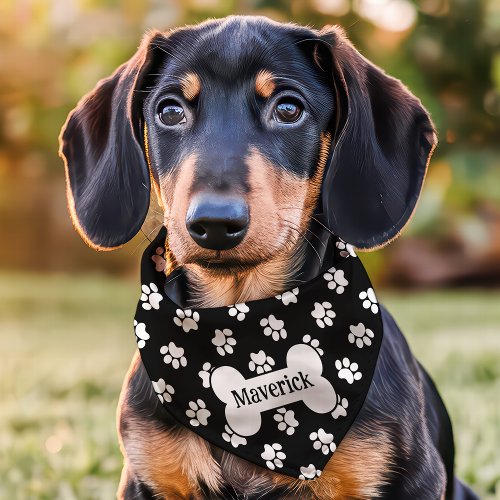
(231,437)
(204,374)
(173,355)
(346,249)
(239,310)
(141,334)
(360,335)
(288,297)
(150,297)
(260,363)
(323,314)
(286,420)
(347,370)
(273,327)
(309,472)
(273,456)
(198,413)
(341,409)
(159,260)
(223,341)
(187,319)
(336,280)
(369,300)
(163,391)
(314,343)
(323,441)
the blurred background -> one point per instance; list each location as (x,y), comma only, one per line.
(65,311)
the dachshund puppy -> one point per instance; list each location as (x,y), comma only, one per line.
(260,140)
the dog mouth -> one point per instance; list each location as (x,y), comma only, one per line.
(230,265)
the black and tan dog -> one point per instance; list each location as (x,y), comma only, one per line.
(259,139)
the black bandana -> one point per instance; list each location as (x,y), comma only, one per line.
(276,381)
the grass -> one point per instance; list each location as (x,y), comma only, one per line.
(66,344)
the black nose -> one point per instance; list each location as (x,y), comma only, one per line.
(217,222)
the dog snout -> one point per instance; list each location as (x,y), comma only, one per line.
(217,222)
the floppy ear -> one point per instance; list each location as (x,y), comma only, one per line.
(107,177)
(383,144)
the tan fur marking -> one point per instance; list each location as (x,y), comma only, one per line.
(190,86)
(173,193)
(264,83)
(171,463)
(345,475)
(180,469)
(148,160)
(170,260)
(316,181)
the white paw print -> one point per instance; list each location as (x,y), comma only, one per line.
(187,319)
(347,370)
(231,437)
(314,343)
(286,420)
(273,455)
(150,297)
(323,314)
(341,409)
(346,249)
(288,297)
(204,374)
(360,335)
(336,280)
(260,363)
(198,413)
(309,472)
(323,441)
(369,300)
(159,260)
(173,355)
(273,327)
(224,341)
(163,391)
(238,310)
(141,334)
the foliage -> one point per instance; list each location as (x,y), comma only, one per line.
(54,51)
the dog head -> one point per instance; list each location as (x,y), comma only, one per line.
(247,129)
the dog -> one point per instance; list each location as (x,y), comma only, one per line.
(260,140)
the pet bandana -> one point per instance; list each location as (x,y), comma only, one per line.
(276,381)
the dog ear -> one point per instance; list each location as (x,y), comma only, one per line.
(383,143)
(107,178)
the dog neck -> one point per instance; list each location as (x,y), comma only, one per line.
(202,288)
(264,280)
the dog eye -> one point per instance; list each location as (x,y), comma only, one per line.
(288,110)
(171,113)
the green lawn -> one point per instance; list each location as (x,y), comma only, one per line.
(66,344)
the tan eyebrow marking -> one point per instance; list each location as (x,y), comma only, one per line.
(264,83)
(190,86)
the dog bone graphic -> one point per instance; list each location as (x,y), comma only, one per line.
(246,399)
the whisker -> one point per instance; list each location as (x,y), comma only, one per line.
(307,229)
(313,218)
(146,237)
(173,279)
(302,235)
(156,211)
(156,46)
